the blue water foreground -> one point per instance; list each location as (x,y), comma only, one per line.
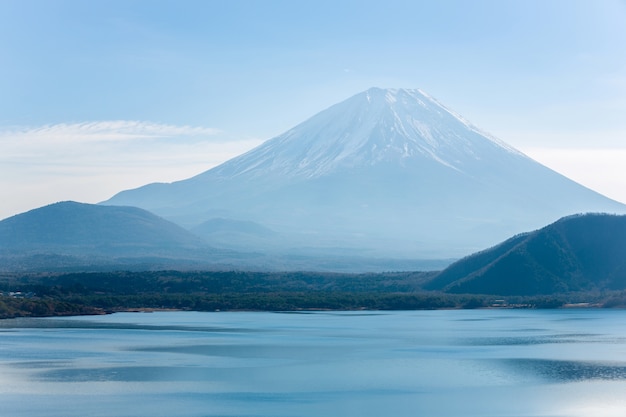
(249,364)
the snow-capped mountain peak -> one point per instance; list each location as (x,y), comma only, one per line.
(377,126)
(388,170)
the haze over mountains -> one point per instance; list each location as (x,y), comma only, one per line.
(71,234)
(385,173)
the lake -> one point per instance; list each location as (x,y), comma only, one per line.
(248,364)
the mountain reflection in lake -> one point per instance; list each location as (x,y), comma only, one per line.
(435,363)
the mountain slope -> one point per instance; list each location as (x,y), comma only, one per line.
(386,172)
(76,228)
(583,252)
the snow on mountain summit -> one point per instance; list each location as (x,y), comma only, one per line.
(387,170)
(375,126)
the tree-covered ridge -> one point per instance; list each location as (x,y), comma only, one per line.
(208,291)
(576,253)
(213,282)
(98,293)
(76,228)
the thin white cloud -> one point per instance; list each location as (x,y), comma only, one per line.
(573,139)
(91,161)
(114,130)
(593,158)
(602,169)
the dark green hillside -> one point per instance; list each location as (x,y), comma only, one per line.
(576,253)
(473,263)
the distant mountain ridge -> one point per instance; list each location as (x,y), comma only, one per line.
(76,236)
(71,236)
(384,173)
(100,229)
(576,253)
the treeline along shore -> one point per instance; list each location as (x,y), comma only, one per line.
(58,294)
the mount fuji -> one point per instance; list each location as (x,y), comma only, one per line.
(385,173)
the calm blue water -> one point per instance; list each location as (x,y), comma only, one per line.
(435,363)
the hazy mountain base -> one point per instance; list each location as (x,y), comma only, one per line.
(70,236)
(214,260)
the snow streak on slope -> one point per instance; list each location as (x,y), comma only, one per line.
(394,125)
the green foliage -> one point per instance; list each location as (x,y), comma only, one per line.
(20,307)
(97,293)
(209,291)
(582,253)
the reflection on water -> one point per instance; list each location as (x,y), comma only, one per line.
(568,371)
(54,323)
(127,374)
(531,340)
(436,363)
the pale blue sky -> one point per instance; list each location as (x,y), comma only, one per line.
(100,96)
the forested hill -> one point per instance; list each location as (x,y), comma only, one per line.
(76,228)
(577,253)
